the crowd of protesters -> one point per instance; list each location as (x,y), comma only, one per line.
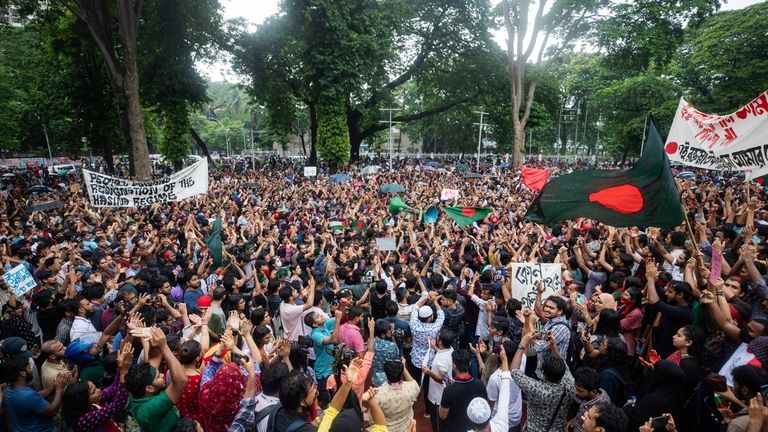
(306,325)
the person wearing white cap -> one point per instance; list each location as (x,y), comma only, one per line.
(479,411)
(424,326)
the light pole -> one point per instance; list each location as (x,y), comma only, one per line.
(479,137)
(390,122)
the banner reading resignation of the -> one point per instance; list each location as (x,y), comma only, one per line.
(734,142)
(108,191)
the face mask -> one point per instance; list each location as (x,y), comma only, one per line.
(626,300)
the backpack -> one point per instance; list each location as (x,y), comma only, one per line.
(573,355)
(293,427)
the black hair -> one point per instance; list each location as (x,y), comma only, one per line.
(683,288)
(610,417)
(381,327)
(136,380)
(259,333)
(461,359)
(285,293)
(559,303)
(513,305)
(298,357)
(94,291)
(750,377)
(587,378)
(185,424)
(446,336)
(189,352)
(219,293)
(258,315)
(698,337)
(609,323)
(392,308)
(293,389)
(271,376)
(381,286)
(355,312)
(553,367)
(393,369)
(76,402)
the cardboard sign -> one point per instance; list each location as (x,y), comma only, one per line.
(449,194)
(108,191)
(310,171)
(19,279)
(386,244)
(525,277)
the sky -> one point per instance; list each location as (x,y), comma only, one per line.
(255,11)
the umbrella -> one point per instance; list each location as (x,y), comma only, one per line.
(9,175)
(433,164)
(428,168)
(686,175)
(473,175)
(40,189)
(371,169)
(340,178)
(391,188)
(44,206)
(251,184)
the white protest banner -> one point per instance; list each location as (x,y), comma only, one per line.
(525,276)
(734,142)
(449,194)
(108,191)
(386,244)
(19,279)
(310,171)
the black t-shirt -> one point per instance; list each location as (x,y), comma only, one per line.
(285,418)
(456,398)
(379,305)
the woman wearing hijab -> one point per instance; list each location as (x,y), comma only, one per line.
(220,396)
(664,394)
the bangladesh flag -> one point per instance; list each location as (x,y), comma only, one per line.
(644,195)
(214,243)
(466,215)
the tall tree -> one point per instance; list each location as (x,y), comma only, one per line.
(121,57)
(559,21)
(723,63)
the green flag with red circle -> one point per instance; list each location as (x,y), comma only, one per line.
(467,215)
(644,195)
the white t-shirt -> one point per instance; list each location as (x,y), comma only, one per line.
(291,316)
(672,268)
(443,362)
(515,398)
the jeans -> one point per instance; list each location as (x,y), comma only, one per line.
(323,395)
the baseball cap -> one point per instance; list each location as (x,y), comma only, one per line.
(15,347)
(425,312)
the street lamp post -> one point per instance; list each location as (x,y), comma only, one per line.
(479,137)
(390,122)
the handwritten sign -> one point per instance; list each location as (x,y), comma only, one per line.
(386,244)
(525,276)
(19,279)
(310,171)
(449,194)
(108,191)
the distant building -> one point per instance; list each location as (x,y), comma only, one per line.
(11,16)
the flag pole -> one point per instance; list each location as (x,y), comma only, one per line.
(689,229)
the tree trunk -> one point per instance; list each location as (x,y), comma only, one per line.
(106,153)
(355,138)
(312,134)
(135,116)
(202,145)
(518,142)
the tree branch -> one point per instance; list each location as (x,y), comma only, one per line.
(411,117)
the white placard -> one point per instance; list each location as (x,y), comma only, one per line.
(108,191)
(449,194)
(19,279)
(310,171)
(525,276)
(386,243)
(734,142)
